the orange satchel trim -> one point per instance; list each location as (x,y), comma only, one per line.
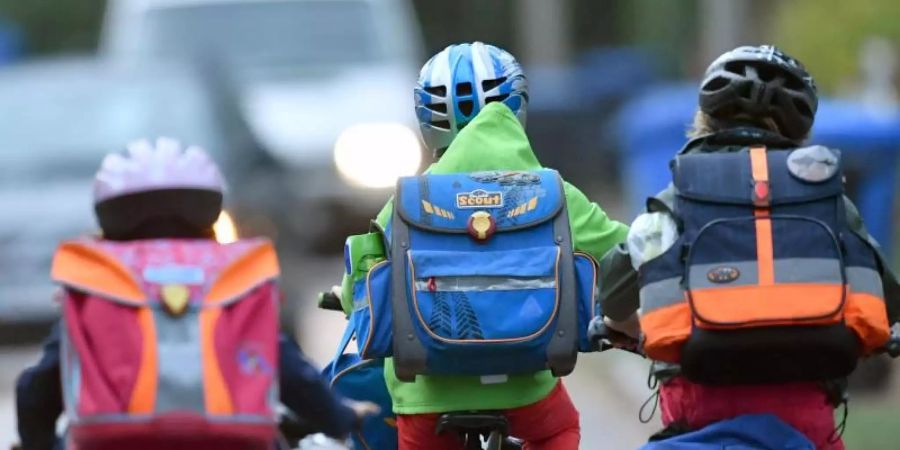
(752,306)
(666,330)
(82,266)
(143,395)
(765,254)
(215,391)
(867,316)
(252,269)
(255,267)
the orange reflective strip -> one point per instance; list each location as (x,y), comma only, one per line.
(665,330)
(759,164)
(778,304)
(82,266)
(765,255)
(866,315)
(251,269)
(215,392)
(143,395)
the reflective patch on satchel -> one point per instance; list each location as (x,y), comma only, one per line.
(813,164)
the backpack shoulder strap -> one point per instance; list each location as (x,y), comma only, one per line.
(410,357)
(84,266)
(255,266)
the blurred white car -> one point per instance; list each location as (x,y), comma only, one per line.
(326,85)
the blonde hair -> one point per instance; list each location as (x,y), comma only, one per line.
(705,124)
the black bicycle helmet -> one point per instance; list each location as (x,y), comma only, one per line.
(761,82)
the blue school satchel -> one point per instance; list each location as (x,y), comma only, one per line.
(363,379)
(748,432)
(481,279)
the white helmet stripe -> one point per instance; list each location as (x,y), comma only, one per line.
(484,67)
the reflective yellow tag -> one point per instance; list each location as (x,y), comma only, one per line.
(175,298)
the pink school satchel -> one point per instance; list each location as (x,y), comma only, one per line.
(169,343)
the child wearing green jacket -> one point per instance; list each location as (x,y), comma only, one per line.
(483,131)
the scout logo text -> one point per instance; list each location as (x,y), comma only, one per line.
(479,198)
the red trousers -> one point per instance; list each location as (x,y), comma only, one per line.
(803,406)
(550,424)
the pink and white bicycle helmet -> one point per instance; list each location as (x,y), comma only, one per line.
(156,190)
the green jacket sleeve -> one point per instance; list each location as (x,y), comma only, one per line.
(385,214)
(593,232)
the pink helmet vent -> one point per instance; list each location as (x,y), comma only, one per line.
(145,167)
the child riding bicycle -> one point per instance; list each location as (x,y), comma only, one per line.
(752,272)
(471,101)
(156,205)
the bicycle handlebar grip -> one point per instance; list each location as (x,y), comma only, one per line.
(598,334)
(330,301)
(892,348)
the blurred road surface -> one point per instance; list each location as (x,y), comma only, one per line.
(608,389)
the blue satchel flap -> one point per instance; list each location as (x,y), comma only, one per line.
(515,200)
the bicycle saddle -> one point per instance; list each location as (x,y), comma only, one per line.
(481,422)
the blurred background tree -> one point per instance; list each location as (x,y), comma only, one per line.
(827,35)
(52,26)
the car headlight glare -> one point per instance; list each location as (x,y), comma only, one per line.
(375,155)
(224,229)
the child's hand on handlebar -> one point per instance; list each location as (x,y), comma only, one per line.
(630,327)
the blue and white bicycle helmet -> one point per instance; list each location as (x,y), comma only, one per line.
(456,83)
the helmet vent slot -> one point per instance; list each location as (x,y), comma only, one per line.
(794,83)
(736,67)
(715,84)
(440,91)
(496,98)
(441,124)
(766,73)
(466,107)
(438,107)
(464,88)
(802,107)
(487,85)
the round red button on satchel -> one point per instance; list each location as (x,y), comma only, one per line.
(481,226)
(761,193)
